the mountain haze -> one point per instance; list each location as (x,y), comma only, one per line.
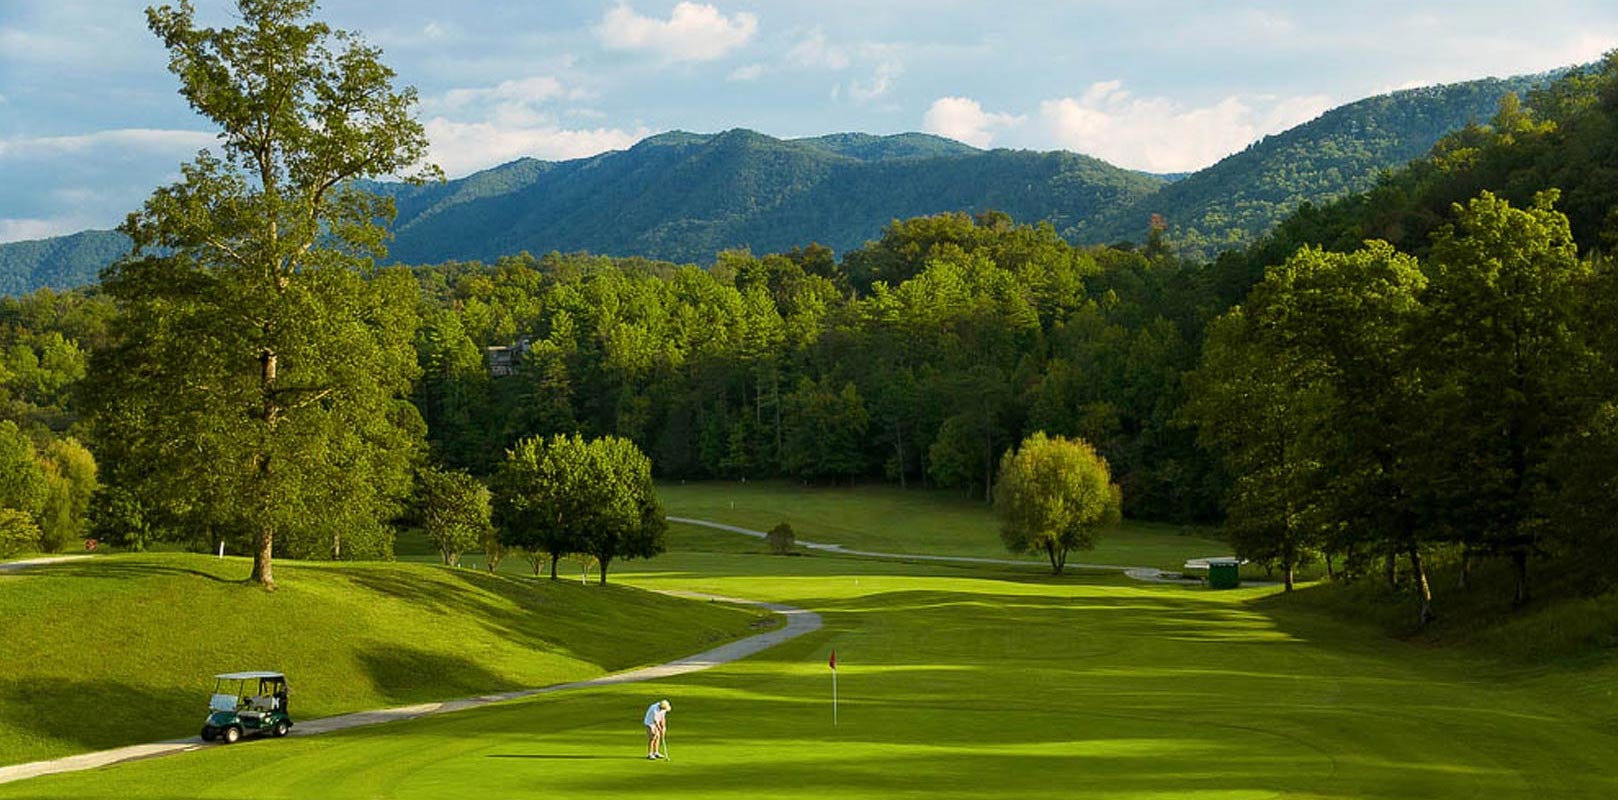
(684,196)
(1338,153)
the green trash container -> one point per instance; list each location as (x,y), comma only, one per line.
(1224,573)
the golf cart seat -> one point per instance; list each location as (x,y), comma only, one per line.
(262,702)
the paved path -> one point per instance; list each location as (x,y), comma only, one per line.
(11,566)
(799,622)
(1147,574)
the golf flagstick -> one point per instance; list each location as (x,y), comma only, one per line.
(833,664)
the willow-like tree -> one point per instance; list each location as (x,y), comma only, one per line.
(1054,495)
(261,365)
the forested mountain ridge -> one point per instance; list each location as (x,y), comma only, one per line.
(685,196)
(1339,153)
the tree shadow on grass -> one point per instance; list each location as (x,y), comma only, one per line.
(405,675)
(109,569)
(77,715)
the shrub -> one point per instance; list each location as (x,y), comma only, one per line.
(781,539)
(17,532)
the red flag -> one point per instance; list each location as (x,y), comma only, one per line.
(833,662)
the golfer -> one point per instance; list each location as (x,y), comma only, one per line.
(657,724)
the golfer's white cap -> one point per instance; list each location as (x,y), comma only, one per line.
(665,705)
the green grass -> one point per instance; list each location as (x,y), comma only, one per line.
(978,681)
(888,519)
(961,681)
(121,649)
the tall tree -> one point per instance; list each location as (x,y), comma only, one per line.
(626,520)
(1054,495)
(1258,411)
(1503,342)
(260,367)
(564,495)
(454,512)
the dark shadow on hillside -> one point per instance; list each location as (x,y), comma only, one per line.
(405,675)
(98,714)
(110,569)
(429,594)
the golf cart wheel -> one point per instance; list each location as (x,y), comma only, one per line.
(282,728)
(232,735)
(208,733)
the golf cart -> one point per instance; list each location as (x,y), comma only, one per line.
(247,703)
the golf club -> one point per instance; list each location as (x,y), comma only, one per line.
(664,743)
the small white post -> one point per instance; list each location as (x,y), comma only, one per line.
(221,548)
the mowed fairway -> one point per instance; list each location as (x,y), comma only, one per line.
(888,519)
(970,682)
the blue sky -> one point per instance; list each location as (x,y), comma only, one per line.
(90,121)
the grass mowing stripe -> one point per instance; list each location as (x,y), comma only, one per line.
(971,684)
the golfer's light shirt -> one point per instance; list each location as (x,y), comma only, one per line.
(654,714)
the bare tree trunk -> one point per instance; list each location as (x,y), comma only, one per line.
(1392,569)
(1290,570)
(263,549)
(899,450)
(1519,565)
(602,563)
(1423,589)
(1058,558)
(1331,572)
(554,558)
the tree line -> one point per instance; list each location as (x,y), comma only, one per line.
(249,376)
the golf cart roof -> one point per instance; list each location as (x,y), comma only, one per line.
(247,676)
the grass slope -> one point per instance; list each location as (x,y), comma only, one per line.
(888,519)
(974,682)
(121,649)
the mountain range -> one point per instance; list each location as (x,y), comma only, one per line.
(684,196)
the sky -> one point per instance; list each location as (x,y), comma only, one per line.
(90,120)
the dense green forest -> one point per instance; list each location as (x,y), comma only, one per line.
(683,197)
(1442,396)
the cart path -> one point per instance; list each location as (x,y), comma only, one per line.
(798,622)
(1148,574)
(11,566)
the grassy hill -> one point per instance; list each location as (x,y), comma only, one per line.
(979,682)
(122,649)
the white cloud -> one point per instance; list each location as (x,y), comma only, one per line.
(751,72)
(693,32)
(464,147)
(816,52)
(22,230)
(511,95)
(150,140)
(963,119)
(886,73)
(1159,135)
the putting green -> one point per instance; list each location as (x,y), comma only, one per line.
(971,682)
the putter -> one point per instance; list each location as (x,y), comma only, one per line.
(664,743)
